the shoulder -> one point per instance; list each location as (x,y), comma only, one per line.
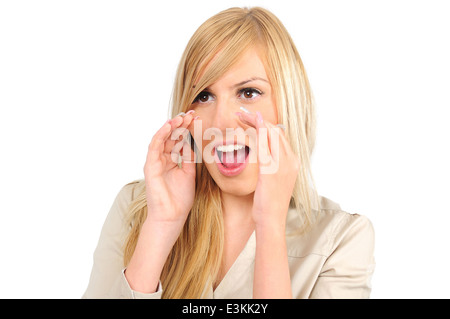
(118,213)
(332,228)
(341,224)
(108,255)
(127,194)
(129,191)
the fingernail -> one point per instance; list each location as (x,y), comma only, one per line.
(181,113)
(245,110)
(259,117)
(197,117)
(190,112)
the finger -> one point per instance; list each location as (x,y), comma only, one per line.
(183,145)
(285,144)
(176,121)
(182,151)
(270,136)
(188,118)
(282,127)
(188,165)
(264,152)
(156,146)
(256,121)
(179,130)
(249,119)
(277,139)
(282,153)
(180,118)
(272,140)
(273,147)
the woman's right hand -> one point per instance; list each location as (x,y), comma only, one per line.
(170,189)
(170,193)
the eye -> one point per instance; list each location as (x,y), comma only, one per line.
(203,97)
(249,93)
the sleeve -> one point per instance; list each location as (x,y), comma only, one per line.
(348,270)
(107,278)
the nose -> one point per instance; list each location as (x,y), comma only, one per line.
(225,115)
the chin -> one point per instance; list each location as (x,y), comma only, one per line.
(240,185)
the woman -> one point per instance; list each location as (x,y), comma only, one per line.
(243,219)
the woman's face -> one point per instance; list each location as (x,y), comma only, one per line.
(228,153)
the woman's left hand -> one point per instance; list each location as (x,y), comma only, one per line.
(278,169)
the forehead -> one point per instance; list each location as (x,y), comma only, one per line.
(250,64)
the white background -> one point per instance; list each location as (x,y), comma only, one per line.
(85,84)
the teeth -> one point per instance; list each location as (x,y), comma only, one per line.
(229,147)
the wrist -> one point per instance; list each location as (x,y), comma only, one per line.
(154,244)
(163,234)
(269,221)
(271,229)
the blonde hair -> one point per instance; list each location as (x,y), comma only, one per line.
(218,43)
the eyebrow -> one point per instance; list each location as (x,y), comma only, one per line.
(242,83)
(249,80)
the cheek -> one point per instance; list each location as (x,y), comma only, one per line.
(270,114)
(268,109)
(205,112)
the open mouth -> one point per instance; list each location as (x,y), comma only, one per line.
(232,158)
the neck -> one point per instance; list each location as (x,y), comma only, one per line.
(237,209)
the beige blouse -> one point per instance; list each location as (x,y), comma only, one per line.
(332,260)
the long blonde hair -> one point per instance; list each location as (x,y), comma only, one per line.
(218,43)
